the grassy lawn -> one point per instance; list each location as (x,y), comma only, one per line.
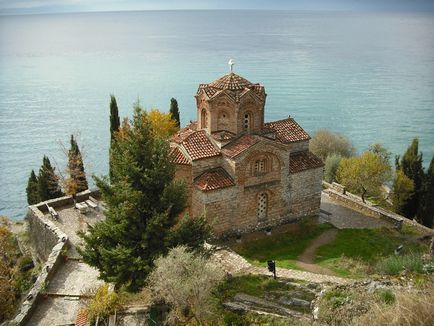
(354,253)
(355,250)
(284,248)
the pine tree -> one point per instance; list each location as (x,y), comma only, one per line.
(48,181)
(114,127)
(77,177)
(143,203)
(425,214)
(175,111)
(32,189)
(411,165)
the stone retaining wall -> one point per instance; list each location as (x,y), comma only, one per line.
(50,243)
(338,192)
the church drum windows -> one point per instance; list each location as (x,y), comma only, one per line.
(203,119)
(247,122)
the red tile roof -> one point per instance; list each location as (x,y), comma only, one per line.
(240,145)
(287,130)
(178,157)
(233,85)
(182,134)
(198,146)
(214,179)
(302,161)
(81,319)
(223,135)
(231,81)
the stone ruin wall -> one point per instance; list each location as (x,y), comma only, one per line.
(50,244)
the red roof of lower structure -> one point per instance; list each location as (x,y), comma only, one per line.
(199,146)
(240,145)
(178,157)
(302,161)
(81,319)
(213,179)
(287,130)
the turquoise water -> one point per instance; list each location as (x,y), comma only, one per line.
(367,75)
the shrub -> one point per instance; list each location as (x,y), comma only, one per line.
(393,265)
(185,281)
(331,166)
(386,296)
(104,302)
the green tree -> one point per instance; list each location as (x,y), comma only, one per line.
(48,181)
(425,214)
(381,151)
(114,127)
(363,174)
(331,166)
(76,181)
(325,143)
(185,281)
(143,203)
(174,110)
(32,189)
(402,191)
(115,122)
(411,165)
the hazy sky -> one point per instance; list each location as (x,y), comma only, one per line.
(51,6)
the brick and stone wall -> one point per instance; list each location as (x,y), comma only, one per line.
(304,192)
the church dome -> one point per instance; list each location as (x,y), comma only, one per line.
(232,82)
(233,85)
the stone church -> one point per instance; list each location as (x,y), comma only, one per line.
(243,173)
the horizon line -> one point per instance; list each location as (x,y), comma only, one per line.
(220,9)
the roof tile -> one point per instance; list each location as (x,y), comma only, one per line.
(302,161)
(287,130)
(214,179)
(178,157)
(198,146)
(240,145)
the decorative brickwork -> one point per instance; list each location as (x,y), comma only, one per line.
(244,174)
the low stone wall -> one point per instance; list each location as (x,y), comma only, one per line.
(50,243)
(337,192)
(50,234)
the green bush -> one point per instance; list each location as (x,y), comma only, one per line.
(387,296)
(393,265)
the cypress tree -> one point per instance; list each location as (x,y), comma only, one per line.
(32,189)
(77,177)
(48,181)
(143,203)
(114,127)
(411,165)
(425,214)
(115,122)
(175,111)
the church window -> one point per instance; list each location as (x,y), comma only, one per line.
(260,166)
(203,119)
(262,206)
(247,122)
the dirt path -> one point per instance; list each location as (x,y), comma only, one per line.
(233,264)
(306,259)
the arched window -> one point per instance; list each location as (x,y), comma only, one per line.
(247,122)
(260,166)
(203,119)
(262,206)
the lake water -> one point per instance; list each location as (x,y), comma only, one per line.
(369,76)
